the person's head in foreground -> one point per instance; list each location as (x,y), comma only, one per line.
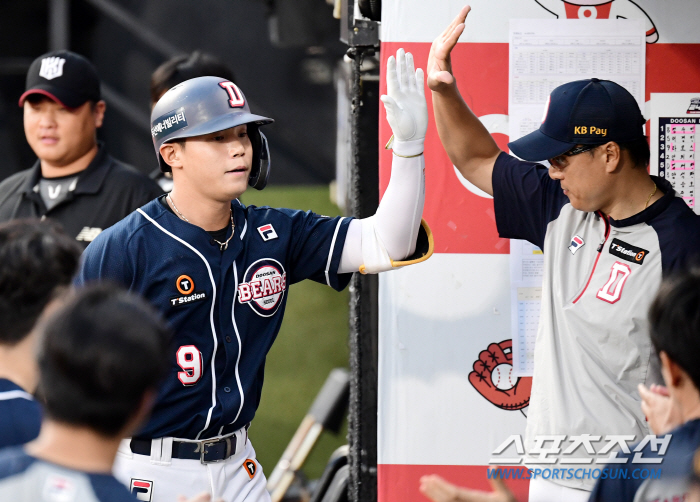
(675,334)
(592,135)
(36,258)
(62,109)
(102,353)
(204,133)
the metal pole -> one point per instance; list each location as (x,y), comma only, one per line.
(59,24)
(362,416)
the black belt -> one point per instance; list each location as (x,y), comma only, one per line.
(206,451)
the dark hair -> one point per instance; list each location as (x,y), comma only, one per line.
(36,257)
(99,354)
(638,152)
(180,68)
(675,322)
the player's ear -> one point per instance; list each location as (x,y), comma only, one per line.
(613,156)
(98,112)
(172,154)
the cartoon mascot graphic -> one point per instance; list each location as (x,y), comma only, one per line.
(493,378)
(601,9)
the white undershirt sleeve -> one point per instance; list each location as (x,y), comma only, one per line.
(397,219)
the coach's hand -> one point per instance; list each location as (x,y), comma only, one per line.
(439,490)
(406,109)
(439,64)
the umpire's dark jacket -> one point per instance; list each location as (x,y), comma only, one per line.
(107,191)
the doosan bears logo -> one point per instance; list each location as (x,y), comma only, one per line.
(263,286)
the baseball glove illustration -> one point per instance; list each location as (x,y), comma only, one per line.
(493,378)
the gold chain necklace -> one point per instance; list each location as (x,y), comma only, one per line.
(222,245)
(650,196)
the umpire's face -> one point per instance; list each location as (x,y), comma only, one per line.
(60,135)
(215,165)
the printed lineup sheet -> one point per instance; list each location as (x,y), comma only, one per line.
(545,53)
(526,266)
(675,128)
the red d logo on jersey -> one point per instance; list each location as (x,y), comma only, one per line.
(250,466)
(263,286)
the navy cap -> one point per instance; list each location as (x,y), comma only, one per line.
(63,76)
(584,112)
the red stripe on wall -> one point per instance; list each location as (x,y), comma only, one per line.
(400,483)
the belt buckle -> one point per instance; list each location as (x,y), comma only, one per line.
(202,449)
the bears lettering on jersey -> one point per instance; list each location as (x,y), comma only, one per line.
(263,286)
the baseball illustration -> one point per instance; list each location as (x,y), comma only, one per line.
(493,378)
(502,377)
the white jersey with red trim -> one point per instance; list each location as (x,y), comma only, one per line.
(600,277)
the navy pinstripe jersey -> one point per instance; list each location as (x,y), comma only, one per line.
(24,478)
(600,277)
(225,307)
(20,415)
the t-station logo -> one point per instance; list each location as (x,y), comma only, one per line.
(185,286)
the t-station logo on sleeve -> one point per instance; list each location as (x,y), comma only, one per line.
(185,285)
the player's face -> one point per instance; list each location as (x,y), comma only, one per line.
(219,164)
(60,135)
(583,179)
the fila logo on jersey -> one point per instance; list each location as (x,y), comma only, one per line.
(51,68)
(250,467)
(628,252)
(59,489)
(185,285)
(576,244)
(267,232)
(141,489)
(263,286)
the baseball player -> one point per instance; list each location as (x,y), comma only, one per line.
(220,271)
(609,232)
(101,355)
(36,259)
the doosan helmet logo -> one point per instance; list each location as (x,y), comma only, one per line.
(263,286)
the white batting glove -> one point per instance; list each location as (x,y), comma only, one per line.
(406,109)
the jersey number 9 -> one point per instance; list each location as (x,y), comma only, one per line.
(189,358)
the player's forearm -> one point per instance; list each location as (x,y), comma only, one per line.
(469,145)
(397,220)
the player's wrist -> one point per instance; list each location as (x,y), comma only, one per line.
(407,148)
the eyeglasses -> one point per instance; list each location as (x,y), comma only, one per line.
(560,160)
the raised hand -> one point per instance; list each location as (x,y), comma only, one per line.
(439,64)
(406,109)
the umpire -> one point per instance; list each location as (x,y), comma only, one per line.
(74,181)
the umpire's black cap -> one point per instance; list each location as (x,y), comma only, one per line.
(65,77)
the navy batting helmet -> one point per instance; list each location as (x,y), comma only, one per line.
(204,105)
